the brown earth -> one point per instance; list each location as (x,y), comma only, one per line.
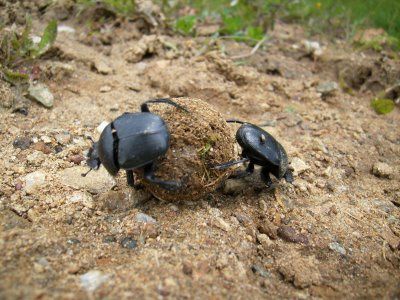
(334,233)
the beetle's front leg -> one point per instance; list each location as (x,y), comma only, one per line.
(167,185)
(265,176)
(130,179)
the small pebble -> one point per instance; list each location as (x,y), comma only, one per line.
(269,229)
(299,166)
(42,147)
(109,239)
(73,241)
(128,243)
(22,143)
(34,180)
(141,217)
(289,234)
(76,159)
(382,170)
(102,67)
(327,87)
(42,94)
(91,280)
(105,89)
(187,269)
(233,186)
(337,247)
(63,138)
(260,270)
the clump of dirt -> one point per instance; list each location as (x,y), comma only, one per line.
(200,138)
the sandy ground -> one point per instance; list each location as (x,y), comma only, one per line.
(334,233)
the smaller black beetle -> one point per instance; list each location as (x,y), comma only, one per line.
(262,149)
(133,141)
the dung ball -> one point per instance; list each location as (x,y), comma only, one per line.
(199,139)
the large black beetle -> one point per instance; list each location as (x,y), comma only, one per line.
(260,148)
(133,141)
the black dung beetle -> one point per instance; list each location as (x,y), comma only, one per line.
(133,141)
(260,148)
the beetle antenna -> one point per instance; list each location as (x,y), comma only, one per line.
(235,121)
(144,106)
(229,164)
(84,174)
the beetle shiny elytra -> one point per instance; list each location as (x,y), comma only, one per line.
(133,141)
(262,149)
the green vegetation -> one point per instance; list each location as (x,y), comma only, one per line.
(250,20)
(120,7)
(18,49)
(347,16)
(382,106)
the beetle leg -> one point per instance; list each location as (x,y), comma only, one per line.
(250,168)
(129,178)
(167,185)
(144,107)
(229,164)
(265,176)
(288,176)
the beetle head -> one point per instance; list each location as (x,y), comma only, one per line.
(93,160)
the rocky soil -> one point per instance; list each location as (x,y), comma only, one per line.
(334,233)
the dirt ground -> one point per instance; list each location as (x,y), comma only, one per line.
(334,233)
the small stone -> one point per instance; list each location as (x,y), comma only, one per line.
(42,94)
(222,224)
(337,247)
(91,280)
(101,127)
(299,166)
(95,182)
(36,158)
(134,87)
(187,269)
(38,268)
(260,270)
(73,269)
(73,241)
(76,159)
(22,143)
(313,47)
(34,181)
(128,243)
(327,88)
(289,234)
(269,229)
(105,89)
(382,170)
(33,215)
(263,205)
(233,186)
(46,139)
(42,147)
(143,218)
(109,239)
(82,197)
(102,67)
(63,138)
(65,28)
(43,262)
(264,240)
